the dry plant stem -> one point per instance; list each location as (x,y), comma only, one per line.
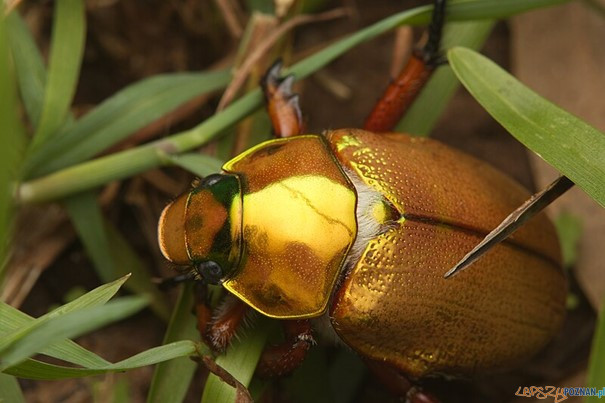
(160,126)
(532,206)
(402,49)
(242,393)
(332,84)
(127,163)
(10,6)
(242,73)
(232,15)
(48,232)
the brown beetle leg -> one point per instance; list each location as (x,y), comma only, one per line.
(224,323)
(282,103)
(285,357)
(400,94)
(202,309)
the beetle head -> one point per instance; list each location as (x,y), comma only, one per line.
(202,228)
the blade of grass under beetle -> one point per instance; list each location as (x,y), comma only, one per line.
(10,391)
(564,141)
(569,231)
(171,379)
(239,360)
(67,46)
(347,371)
(434,97)
(85,213)
(34,369)
(198,164)
(312,371)
(29,66)
(98,296)
(71,324)
(596,366)
(129,110)
(66,350)
(140,282)
(126,163)
(13,141)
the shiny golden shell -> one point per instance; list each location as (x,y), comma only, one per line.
(395,305)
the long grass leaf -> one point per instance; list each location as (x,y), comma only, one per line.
(596,367)
(71,324)
(29,66)
(13,140)
(240,361)
(569,144)
(198,164)
(171,378)
(34,369)
(10,392)
(121,115)
(140,282)
(86,215)
(96,297)
(67,47)
(127,163)
(66,350)
(111,254)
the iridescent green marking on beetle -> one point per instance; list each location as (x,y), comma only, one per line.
(347,141)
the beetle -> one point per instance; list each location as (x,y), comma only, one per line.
(353,229)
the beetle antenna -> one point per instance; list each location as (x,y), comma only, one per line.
(170,282)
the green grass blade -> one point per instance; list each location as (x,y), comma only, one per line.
(121,115)
(71,324)
(126,163)
(67,47)
(564,141)
(569,230)
(12,136)
(86,215)
(240,361)
(10,392)
(596,366)
(171,379)
(428,107)
(198,164)
(140,282)
(31,74)
(67,350)
(33,369)
(96,297)
(313,371)
(111,254)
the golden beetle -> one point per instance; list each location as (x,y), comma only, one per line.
(356,229)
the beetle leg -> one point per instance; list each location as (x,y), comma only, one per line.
(285,357)
(225,321)
(402,91)
(202,309)
(282,103)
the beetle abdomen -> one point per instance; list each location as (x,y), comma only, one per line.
(395,306)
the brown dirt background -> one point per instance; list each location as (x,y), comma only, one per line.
(557,52)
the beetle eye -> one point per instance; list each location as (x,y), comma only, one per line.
(210,271)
